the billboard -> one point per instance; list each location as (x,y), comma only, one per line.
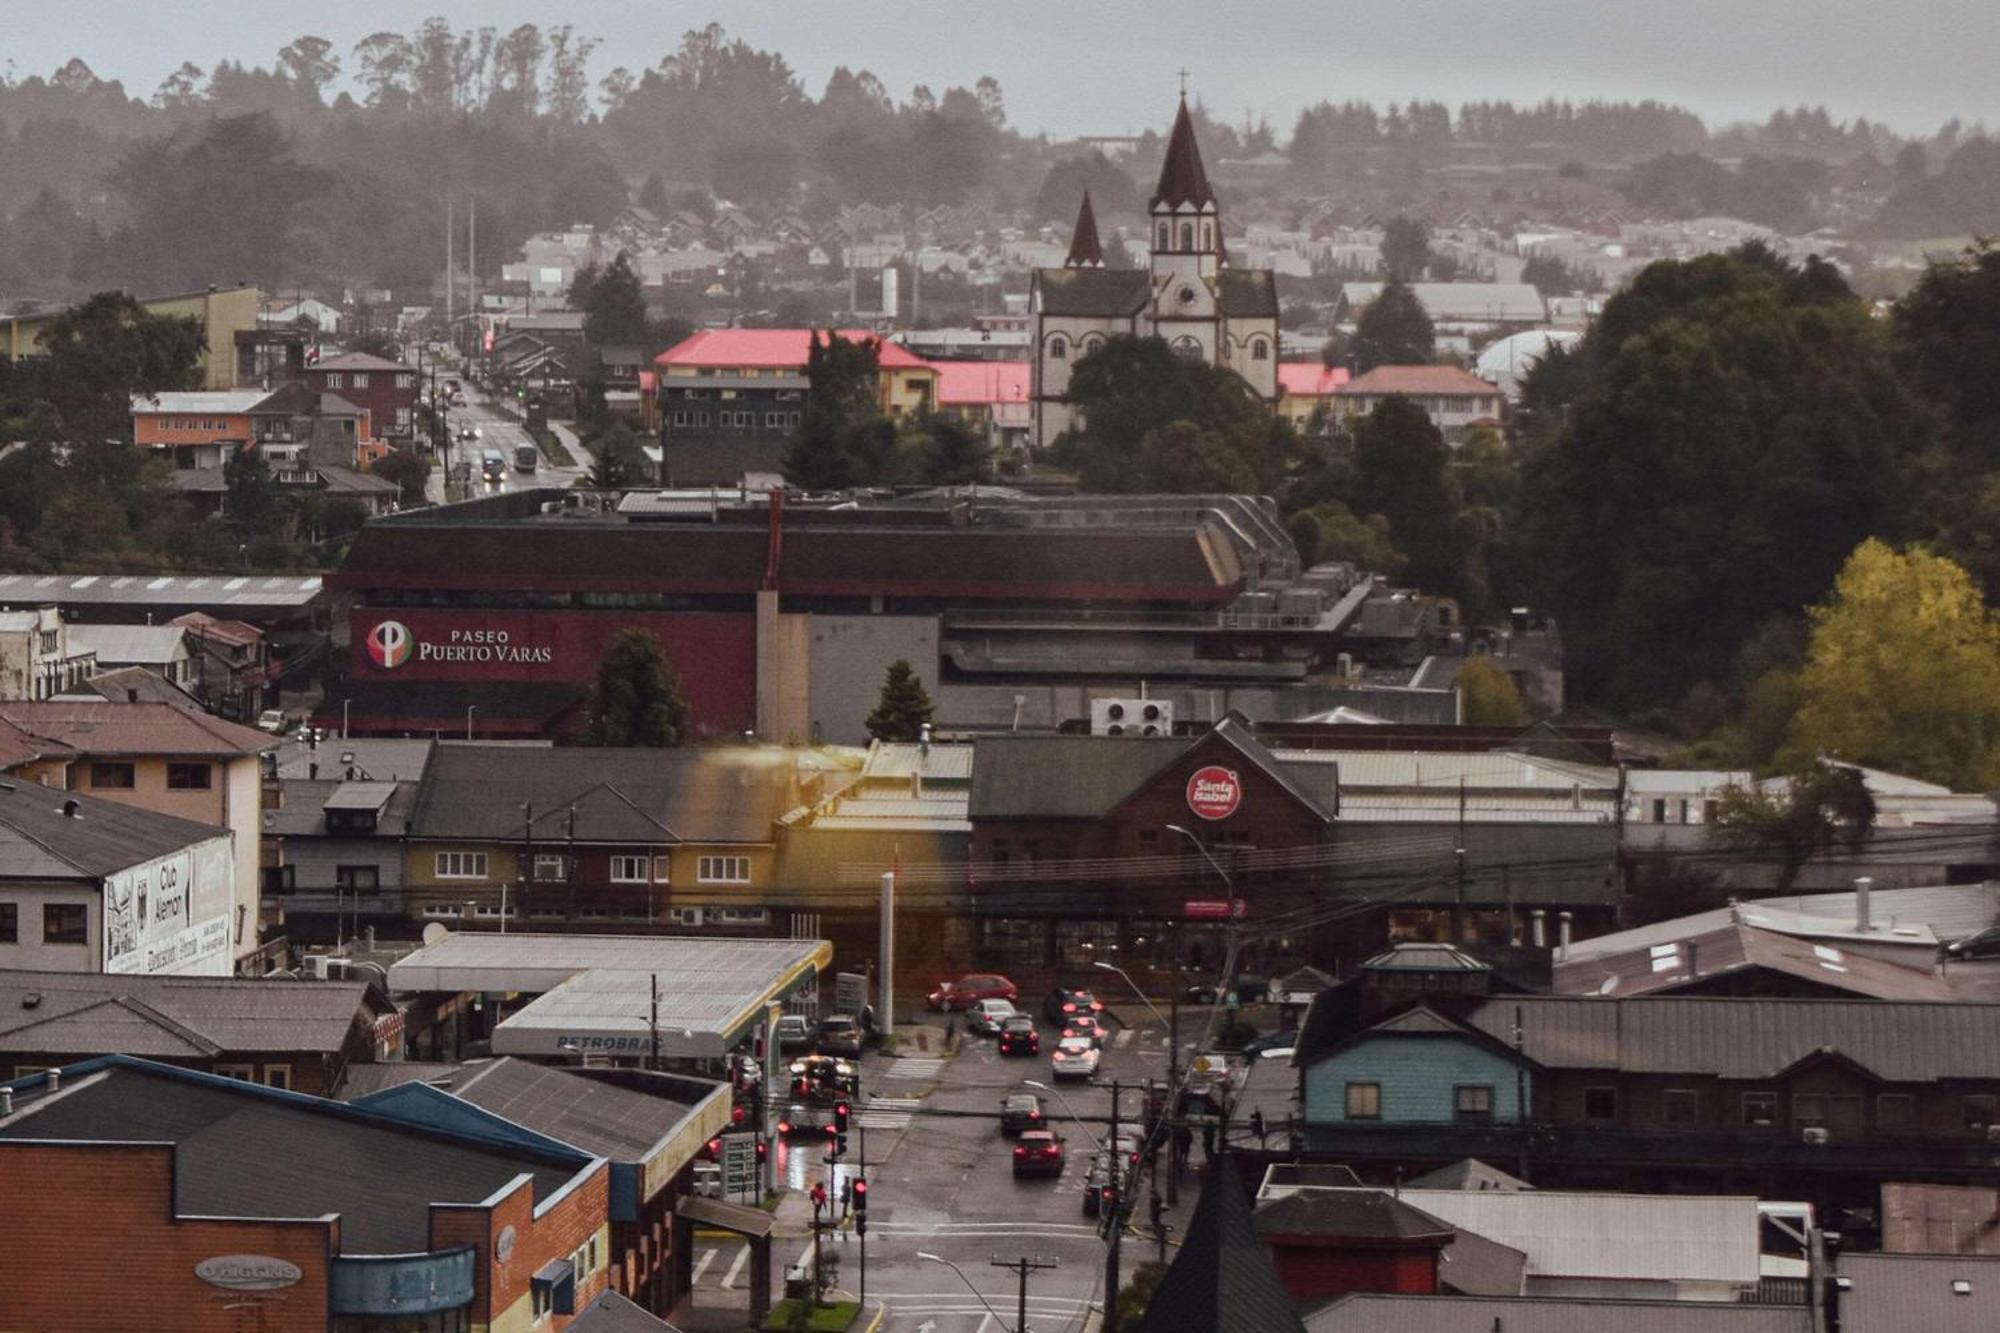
(170,916)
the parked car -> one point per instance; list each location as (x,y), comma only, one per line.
(468,432)
(794,1033)
(986,1017)
(272,720)
(1064,1002)
(1039,1153)
(1084,1025)
(1250,989)
(1020,1112)
(1018,1036)
(1075,1057)
(971,989)
(839,1035)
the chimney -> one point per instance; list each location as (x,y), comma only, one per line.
(1862,885)
(69,808)
(1538,928)
(6,1102)
(1562,934)
(924,739)
(55,1080)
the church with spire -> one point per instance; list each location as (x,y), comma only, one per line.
(1187,294)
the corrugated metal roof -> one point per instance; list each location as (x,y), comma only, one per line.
(600,1118)
(1636,1237)
(895,759)
(93,1014)
(360,796)
(780,348)
(1367,1312)
(128,645)
(1443,771)
(159,589)
(1951,911)
(1750,1038)
(218,402)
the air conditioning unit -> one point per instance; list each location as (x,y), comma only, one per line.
(685,916)
(1131,717)
(1993,1133)
(1815,1135)
(326,967)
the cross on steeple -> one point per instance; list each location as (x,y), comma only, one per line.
(1184,79)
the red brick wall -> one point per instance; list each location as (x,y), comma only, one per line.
(88,1244)
(555,1235)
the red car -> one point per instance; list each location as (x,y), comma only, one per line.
(971,989)
(1039,1153)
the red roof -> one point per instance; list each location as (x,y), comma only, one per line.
(1310,379)
(772,349)
(1435,381)
(965,383)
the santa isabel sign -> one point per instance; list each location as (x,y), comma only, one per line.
(1214,792)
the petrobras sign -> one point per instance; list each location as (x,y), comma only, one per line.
(391,644)
(170,916)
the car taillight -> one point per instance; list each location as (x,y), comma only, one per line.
(1034,1115)
(1097,1006)
(1061,1056)
(1069,1008)
(784,1126)
(1020,1152)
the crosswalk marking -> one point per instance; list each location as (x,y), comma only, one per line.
(701,1265)
(888,1112)
(736,1268)
(914,1068)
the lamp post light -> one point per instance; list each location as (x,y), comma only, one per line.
(1095,1142)
(928,1257)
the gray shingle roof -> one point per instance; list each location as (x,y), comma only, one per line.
(601,1119)
(1062,777)
(1093,292)
(1348,1215)
(313,1157)
(620,796)
(64,1013)
(1367,1312)
(37,840)
(612,1313)
(1890,1293)
(1750,1038)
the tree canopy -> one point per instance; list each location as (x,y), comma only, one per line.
(1734,429)
(844,440)
(636,699)
(1394,329)
(1903,671)
(904,707)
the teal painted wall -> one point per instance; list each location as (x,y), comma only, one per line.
(1417,1074)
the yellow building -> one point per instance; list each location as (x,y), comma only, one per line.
(223,312)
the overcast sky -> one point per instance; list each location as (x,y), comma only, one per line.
(1108,66)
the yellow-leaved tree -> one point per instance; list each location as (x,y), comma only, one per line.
(1903,672)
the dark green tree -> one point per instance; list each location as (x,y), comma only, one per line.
(637,698)
(252,504)
(409,473)
(93,360)
(618,461)
(1406,249)
(951,453)
(1819,808)
(1400,463)
(844,440)
(1948,344)
(904,707)
(1734,429)
(614,310)
(1155,421)
(1393,330)
(1112,192)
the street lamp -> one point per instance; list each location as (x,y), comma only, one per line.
(928,1257)
(1095,1142)
(1113,967)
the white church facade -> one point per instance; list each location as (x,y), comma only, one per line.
(1187,294)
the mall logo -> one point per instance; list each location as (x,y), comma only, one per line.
(389,644)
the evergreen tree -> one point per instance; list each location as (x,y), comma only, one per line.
(1406,249)
(637,697)
(1400,463)
(951,453)
(618,461)
(903,708)
(844,441)
(1393,330)
(614,311)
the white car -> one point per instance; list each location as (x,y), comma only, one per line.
(1074,1057)
(986,1016)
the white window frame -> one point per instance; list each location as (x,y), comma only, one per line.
(360,379)
(550,868)
(631,869)
(278,1076)
(720,869)
(462,865)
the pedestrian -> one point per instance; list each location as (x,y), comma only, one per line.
(1257,1124)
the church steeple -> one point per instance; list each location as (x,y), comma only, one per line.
(1183,183)
(1084,250)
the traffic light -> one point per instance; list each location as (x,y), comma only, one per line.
(763,1150)
(841,1112)
(840,1145)
(860,1203)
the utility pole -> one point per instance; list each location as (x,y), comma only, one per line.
(653,1023)
(1458,908)
(1171,1112)
(1119,1174)
(450,261)
(1022,1267)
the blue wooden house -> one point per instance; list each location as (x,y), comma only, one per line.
(1418,1067)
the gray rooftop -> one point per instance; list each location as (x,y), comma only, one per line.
(74,1013)
(38,841)
(1891,1293)
(1950,911)
(1368,1313)
(597,989)
(600,1118)
(129,645)
(381,760)
(312,1157)
(218,590)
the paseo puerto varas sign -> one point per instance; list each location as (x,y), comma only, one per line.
(1214,792)
(392,644)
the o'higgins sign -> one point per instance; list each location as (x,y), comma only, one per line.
(391,643)
(1214,792)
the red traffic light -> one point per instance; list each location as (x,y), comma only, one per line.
(860,1196)
(714,1147)
(841,1113)
(763,1150)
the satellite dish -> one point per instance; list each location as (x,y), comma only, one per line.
(435,932)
